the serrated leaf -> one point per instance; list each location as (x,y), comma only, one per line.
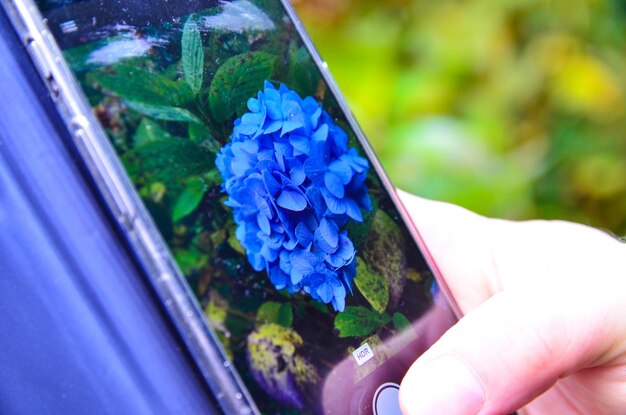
(192,55)
(149,131)
(359,321)
(165,113)
(277,313)
(372,285)
(238,79)
(189,199)
(139,85)
(400,322)
(303,73)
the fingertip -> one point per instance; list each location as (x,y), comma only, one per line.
(442,385)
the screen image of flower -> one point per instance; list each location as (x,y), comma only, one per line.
(259,184)
(293,183)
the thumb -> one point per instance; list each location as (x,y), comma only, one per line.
(499,357)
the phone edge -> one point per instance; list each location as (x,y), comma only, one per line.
(127,209)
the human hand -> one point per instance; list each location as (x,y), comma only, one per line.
(544,324)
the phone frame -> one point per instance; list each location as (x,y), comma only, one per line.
(132,217)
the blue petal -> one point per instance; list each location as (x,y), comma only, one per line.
(247,129)
(254,183)
(285,261)
(321,133)
(342,170)
(292,199)
(292,116)
(314,169)
(300,143)
(271,184)
(254,105)
(253,118)
(256,261)
(271,94)
(352,210)
(314,197)
(304,235)
(278,278)
(302,264)
(296,171)
(327,236)
(340,139)
(264,224)
(290,244)
(325,292)
(273,110)
(334,185)
(336,206)
(339,298)
(273,127)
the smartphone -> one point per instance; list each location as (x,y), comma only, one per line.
(243,185)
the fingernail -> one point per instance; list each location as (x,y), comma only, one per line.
(444,385)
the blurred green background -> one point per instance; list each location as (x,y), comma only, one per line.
(512,109)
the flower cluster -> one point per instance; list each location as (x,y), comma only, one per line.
(293,182)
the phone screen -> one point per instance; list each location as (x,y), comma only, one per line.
(259,184)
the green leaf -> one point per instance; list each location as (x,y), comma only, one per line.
(273,312)
(237,80)
(139,85)
(190,261)
(189,199)
(193,55)
(385,252)
(359,321)
(169,161)
(235,244)
(148,131)
(164,113)
(372,285)
(198,133)
(400,322)
(303,73)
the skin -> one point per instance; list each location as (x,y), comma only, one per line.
(544,326)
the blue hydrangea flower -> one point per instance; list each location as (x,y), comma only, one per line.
(293,183)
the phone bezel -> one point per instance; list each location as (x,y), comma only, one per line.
(132,217)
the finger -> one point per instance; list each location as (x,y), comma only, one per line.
(456,240)
(503,355)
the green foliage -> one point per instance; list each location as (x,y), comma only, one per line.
(164,113)
(149,131)
(486,103)
(139,85)
(385,252)
(238,79)
(190,261)
(359,321)
(199,134)
(277,313)
(189,199)
(304,76)
(192,55)
(372,285)
(400,322)
(169,160)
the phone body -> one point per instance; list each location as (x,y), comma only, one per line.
(233,167)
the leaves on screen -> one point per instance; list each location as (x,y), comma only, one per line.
(238,79)
(192,55)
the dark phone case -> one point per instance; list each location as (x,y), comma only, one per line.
(81,332)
